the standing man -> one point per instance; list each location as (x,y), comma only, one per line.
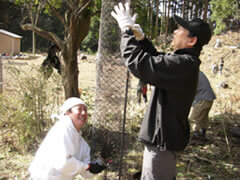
(201,106)
(221,66)
(64,153)
(165,127)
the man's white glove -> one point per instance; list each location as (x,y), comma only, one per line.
(138,32)
(123,16)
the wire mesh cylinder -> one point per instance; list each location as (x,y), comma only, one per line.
(111,72)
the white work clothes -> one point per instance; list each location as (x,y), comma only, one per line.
(62,155)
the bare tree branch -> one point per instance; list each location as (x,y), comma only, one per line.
(29,10)
(83,7)
(210,162)
(55,12)
(39,9)
(69,4)
(48,35)
(76,3)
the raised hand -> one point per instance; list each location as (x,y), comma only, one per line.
(138,32)
(123,16)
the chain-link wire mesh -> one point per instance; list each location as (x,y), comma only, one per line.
(111,81)
(111,72)
(110,85)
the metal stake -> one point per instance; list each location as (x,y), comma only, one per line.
(123,126)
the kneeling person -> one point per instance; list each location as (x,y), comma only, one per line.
(64,153)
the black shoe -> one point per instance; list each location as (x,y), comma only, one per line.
(199,135)
(137,175)
(203,132)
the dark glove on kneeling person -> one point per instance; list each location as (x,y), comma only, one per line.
(96,168)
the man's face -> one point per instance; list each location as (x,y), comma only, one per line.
(79,115)
(181,39)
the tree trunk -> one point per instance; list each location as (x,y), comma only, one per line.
(196,11)
(111,72)
(174,8)
(151,18)
(163,18)
(76,23)
(191,10)
(167,19)
(70,74)
(156,21)
(205,10)
(33,43)
(184,9)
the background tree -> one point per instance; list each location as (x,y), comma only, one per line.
(167,18)
(150,17)
(162,30)
(156,29)
(10,16)
(141,8)
(225,13)
(205,10)
(34,9)
(90,43)
(76,21)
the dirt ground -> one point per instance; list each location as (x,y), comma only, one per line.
(87,75)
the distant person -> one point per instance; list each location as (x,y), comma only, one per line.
(64,153)
(142,91)
(218,43)
(221,66)
(214,68)
(165,127)
(52,61)
(201,106)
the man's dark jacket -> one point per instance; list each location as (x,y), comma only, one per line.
(174,77)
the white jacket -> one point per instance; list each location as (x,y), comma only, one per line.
(62,155)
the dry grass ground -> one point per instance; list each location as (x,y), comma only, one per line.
(218,158)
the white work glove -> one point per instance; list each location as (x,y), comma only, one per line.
(123,16)
(138,32)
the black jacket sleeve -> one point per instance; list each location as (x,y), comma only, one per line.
(158,69)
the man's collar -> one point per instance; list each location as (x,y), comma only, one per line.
(191,51)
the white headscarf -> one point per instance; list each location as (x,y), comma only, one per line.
(69,103)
